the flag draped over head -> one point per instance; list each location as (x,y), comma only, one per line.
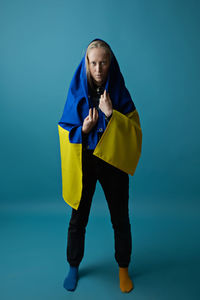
(78,104)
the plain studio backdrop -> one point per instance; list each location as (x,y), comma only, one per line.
(157,45)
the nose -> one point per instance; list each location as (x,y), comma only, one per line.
(98,68)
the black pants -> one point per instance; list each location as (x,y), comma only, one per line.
(115,184)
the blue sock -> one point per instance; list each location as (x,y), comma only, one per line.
(70,281)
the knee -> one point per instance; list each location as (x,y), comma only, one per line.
(77,225)
(121,224)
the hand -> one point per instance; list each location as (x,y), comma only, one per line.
(105,104)
(90,121)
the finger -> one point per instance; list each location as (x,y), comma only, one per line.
(94,111)
(90,114)
(96,114)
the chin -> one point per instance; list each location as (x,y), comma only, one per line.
(100,81)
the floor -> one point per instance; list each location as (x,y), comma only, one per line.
(165,260)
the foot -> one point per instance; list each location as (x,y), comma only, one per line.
(71,280)
(126,284)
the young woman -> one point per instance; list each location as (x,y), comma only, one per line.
(100,139)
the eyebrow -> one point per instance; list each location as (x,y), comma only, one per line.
(100,60)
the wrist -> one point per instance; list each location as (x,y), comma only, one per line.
(108,115)
(83,131)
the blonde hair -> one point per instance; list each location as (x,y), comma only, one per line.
(95,44)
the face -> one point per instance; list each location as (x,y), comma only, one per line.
(99,63)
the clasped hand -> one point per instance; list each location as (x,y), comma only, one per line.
(105,105)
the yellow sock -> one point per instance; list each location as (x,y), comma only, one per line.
(126,284)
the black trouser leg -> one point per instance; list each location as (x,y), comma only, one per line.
(79,218)
(115,184)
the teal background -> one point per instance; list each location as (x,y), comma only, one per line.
(157,46)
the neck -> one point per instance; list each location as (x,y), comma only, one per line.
(98,84)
